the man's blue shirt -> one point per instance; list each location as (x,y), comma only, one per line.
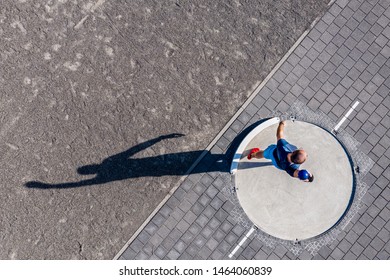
(280,153)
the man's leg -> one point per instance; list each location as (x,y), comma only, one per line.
(259,154)
(267,153)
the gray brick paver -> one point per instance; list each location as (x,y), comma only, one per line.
(248,253)
(335,9)
(373,211)
(337,254)
(370,252)
(204,200)
(354,4)
(349,256)
(162,232)
(378,222)
(344,246)
(351,237)
(177,215)
(364,240)
(238,230)
(216,255)
(355,124)
(385,213)
(338,110)
(273,256)
(293,59)
(168,243)
(160,252)
(155,240)
(173,255)
(380,202)
(314,104)
(286,67)
(325,252)
(374,118)
(375,50)
(371,231)
(307,43)
(334,79)
(204,253)
(377,244)
(209,211)
(200,241)
(279,76)
(185,205)
(207,232)
(357,249)
(197,208)
(384,235)
(129,254)
(378,150)
(382,182)
(212,244)
(383,255)
(380,130)
(216,203)
(180,246)
(224,247)
(143,237)
(188,237)
(280,251)
(373,68)
(185,256)
(219,235)
(202,220)
(382,91)
(305,255)
(231,238)
(384,72)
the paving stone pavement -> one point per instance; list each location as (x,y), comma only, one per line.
(343,59)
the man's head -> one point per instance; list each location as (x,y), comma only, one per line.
(298,156)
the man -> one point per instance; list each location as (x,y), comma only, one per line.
(284,156)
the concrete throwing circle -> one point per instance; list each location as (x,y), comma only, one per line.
(285,207)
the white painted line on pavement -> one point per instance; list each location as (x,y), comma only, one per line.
(242,242)
(346,116)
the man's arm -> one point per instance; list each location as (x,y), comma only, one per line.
(280,130)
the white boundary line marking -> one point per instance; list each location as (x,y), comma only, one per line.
(346,116)
(242,242)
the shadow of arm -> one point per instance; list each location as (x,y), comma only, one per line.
(133,150)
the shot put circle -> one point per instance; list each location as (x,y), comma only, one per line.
(286,207)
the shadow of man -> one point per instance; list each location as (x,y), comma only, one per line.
(121,166)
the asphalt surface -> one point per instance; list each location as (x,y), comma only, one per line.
(89,89)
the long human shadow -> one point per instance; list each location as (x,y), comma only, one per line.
(122,166)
